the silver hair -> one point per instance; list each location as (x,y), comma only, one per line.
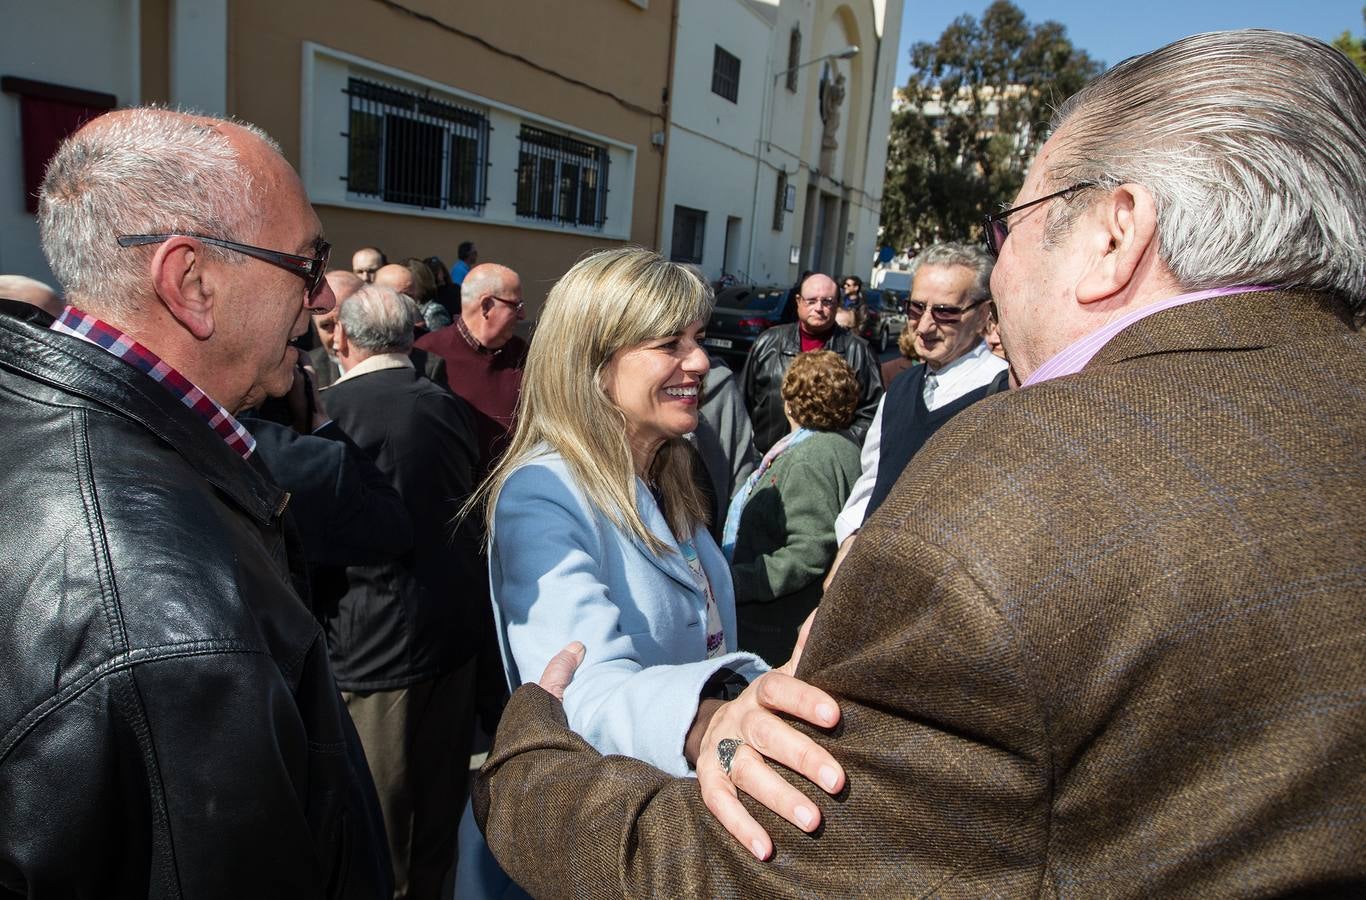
(143,171)
(969,256)
(378,319)
(1253,145)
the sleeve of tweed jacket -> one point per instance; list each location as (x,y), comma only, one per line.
(947,773)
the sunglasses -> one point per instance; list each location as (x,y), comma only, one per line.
(310,268)
(997,225)
(518,305)
(942,315)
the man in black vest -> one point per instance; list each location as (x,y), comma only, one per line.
(950,293)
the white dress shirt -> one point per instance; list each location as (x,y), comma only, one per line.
(974,369)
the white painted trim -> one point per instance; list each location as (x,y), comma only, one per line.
(413,78)
(523,224)
(317,67)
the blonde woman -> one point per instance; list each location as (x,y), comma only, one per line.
(598,535)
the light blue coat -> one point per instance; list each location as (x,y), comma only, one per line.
(561,571)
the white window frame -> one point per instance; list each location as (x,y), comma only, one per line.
(324,113)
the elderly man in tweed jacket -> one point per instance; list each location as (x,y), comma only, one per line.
(1127,658)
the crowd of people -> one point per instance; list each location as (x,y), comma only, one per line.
(1065,600)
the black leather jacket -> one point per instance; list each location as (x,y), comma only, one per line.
(169,724)
(768,362)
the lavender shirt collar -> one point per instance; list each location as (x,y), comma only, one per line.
(1074,357)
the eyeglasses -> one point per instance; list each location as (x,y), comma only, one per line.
(997,225)
(823,302)
(518,305)
(310,268)
(942,315)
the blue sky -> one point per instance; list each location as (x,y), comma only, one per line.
(1115,31)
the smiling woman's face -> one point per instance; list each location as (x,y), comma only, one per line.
(656,384)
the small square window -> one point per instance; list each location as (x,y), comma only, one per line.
(725,75)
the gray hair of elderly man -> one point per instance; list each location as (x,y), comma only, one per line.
(1253,145)
(968,256)
(144,171)
(378,320)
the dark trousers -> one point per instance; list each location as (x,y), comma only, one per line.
(417,742)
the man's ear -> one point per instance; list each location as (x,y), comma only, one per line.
(1122,231)
(177,271)
(486,305)
(340,345)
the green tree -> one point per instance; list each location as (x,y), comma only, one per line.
(977,107)
(1354,48)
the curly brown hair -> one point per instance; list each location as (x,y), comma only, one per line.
(821,391)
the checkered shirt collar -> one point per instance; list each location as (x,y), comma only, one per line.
(88,328)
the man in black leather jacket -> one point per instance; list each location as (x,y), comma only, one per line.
(772,355)
(169,723)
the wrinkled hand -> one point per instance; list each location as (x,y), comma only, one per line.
(560,670)
(751,717)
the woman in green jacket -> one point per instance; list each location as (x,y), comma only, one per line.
(780,528)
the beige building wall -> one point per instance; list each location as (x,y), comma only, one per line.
(616,50)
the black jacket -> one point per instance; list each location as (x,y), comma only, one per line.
(417,617)
(345,508)
(768,362)
(169,724)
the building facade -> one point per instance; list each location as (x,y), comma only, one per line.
(735,134)
(777,135)
(416,125)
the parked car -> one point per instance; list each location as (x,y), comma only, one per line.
(884,320)
(743,313)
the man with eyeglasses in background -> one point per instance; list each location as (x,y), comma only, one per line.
(173,723)
(948,309)
(773,353)
(484,355)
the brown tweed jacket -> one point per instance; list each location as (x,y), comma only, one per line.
(1105,638)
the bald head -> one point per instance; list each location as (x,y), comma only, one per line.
(489,278)
(366,261)
(343,284)
(491,304)
(816,302)
(32,292)
(396,278)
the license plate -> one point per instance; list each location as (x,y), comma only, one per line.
(720,343)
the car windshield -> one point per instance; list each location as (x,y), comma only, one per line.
(751,300)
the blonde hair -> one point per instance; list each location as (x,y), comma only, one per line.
(607,302)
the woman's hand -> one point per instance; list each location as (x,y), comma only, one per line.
(751,717)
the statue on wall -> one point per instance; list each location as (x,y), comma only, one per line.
(832,92)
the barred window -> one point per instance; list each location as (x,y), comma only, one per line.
(561,179)
(403,147)
(794,56)
(725,74)
(690,230)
